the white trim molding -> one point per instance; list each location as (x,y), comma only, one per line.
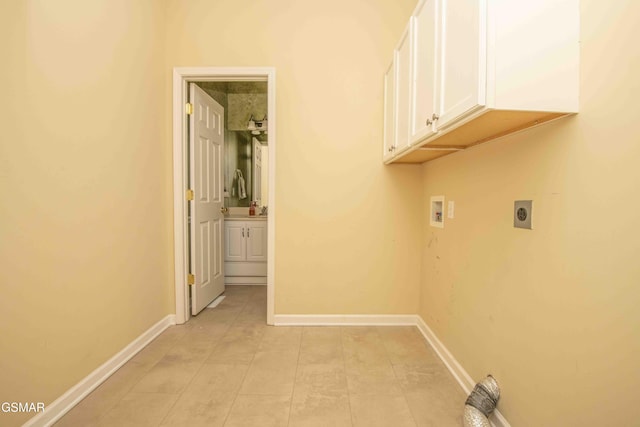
(56,410)
(345,319)
(181,76)
(458,372)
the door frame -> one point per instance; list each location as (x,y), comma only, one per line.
(181,77)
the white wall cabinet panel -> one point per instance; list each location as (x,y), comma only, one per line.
(403,91)
(478,70)
(423,91)
(461,65)
(389,144)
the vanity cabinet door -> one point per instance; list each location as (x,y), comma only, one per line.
(235,242)
(256,241)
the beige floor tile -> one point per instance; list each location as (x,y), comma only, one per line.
(425,377)
(206,401)
(319,409)
(263,411)
(167,376)
(281,338)
(321,378)
(218,378)
(321,345)
(368,380)
(405,344)
(105,397)
(436,409)
(362,345)
(139,409)
(238,345)
(271,372)
(380,411)
(227,367)
(194,410)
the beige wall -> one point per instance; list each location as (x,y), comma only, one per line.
(347,227)
(85,174)
(552,313)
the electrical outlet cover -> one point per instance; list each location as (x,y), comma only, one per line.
(522,213)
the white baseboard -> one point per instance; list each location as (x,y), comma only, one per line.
(55,410)
(344,319)
(458,372)
(245,280)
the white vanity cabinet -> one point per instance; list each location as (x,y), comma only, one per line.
(245,250)
(481,69)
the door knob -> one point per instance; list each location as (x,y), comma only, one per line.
(434,117)
(224,209)
(429,122)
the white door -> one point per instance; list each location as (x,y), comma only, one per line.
(462,67)
(206,145)
(256,240)
(423,95)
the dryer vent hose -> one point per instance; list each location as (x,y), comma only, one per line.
(481,403)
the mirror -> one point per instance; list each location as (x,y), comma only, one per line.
(245,175)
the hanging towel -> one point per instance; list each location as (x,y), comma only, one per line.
(242,191)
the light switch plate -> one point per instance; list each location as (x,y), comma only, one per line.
(450,209)
(522,213)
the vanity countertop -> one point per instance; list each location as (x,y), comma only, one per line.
(245,217)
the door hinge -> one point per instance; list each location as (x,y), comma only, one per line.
(188,108)
(190,195)
(191,279)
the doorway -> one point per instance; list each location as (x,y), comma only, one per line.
(181,78)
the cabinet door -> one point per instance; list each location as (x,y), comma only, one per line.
(462,66)
(389,112)
(257,241)
(423,90)
(403,90)
(235,242)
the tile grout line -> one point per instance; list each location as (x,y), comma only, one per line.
(344,365)
(237,393)
(295,376)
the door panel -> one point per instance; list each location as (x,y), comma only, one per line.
(206,142)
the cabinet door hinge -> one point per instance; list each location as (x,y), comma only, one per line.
(190,195)
(191,279)
(188,108)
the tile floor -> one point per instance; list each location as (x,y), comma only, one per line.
(226,367)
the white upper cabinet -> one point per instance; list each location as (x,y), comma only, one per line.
(477,70)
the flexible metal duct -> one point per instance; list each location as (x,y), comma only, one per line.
(481,403)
